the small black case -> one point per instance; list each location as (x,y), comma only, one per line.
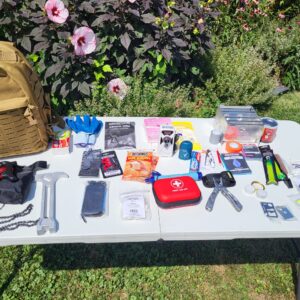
(94,202)
(17,191)
(227,179)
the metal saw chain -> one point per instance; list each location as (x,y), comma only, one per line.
(13,226)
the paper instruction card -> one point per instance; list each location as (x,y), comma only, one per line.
(133,206)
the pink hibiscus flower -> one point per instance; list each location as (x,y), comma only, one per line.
(118,88)
(131,1)
(84,41)
(246,27)
(56,11)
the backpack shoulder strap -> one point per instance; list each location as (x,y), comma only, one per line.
(38,165)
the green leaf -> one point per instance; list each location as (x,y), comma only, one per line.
(107,69)
(159,58)
(34,57)
(96,63)
(98,76)
(195,71)
(165,25)
(163,69)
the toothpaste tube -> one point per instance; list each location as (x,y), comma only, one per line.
(195,161)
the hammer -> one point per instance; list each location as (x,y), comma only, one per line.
(48,222)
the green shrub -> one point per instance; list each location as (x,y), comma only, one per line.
(246,16)
(239,77)
(143,99)
(275,39)
(206,101)
(235,77)
(281,49)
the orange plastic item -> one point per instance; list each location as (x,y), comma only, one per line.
(233,147)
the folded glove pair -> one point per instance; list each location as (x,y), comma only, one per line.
(85,131)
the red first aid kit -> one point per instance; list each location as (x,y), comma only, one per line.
(176,191)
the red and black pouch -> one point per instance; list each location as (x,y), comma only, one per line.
(176,192)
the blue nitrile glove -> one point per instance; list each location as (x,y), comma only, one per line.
(72,125)
(85,130)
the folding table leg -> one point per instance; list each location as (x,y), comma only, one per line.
(298,283)
(297,270)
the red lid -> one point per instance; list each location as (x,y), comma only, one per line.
(231,133)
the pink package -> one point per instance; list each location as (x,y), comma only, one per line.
(152,127)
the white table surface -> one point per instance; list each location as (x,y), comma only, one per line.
(186,223)
(224,222)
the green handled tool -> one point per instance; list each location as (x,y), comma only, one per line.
(270,170)
(273,169)
(280,175)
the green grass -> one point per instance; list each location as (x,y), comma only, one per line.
(286,107)
(250,269)
(240,269)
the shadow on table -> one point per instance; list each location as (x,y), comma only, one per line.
(85,256)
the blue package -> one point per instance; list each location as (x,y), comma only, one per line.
(269,209)
(285,212)
(195,161)
(235,163)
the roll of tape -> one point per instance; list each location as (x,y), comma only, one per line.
(233,147)
(215,136)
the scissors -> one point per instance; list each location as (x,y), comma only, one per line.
(209,159)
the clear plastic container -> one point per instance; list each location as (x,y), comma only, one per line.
(239,123)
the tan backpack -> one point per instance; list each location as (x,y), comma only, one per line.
(25,114)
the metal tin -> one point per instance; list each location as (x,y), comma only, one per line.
(215,136)
(270,129)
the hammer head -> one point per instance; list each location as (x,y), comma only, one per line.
(51,178)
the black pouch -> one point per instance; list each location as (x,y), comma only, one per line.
(226,176)
(16,192)
(94,202)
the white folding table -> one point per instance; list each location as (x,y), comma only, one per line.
(187,223)
(224,222)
